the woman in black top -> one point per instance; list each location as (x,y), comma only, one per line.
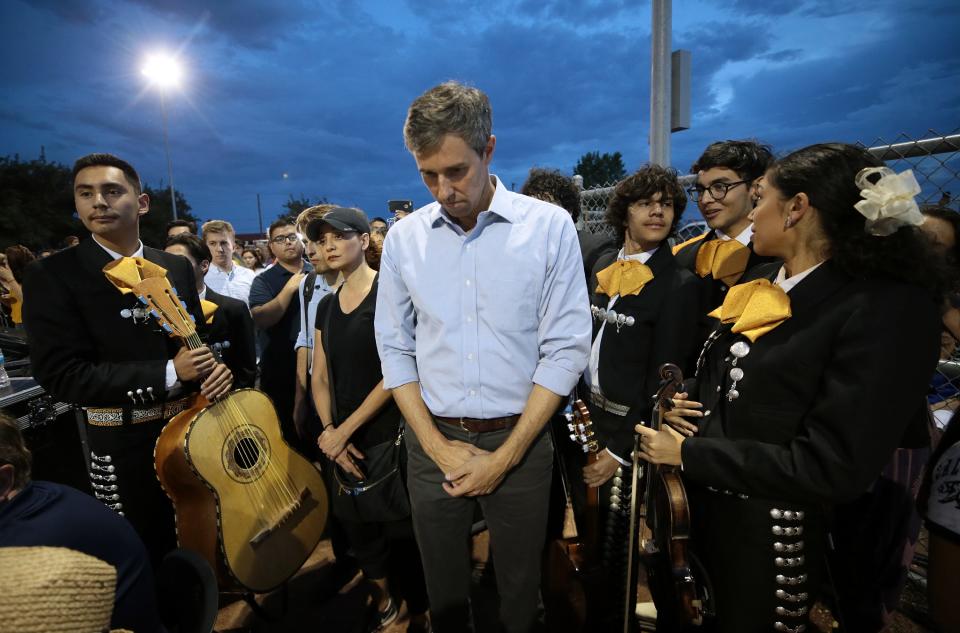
(816,372)
(359,415)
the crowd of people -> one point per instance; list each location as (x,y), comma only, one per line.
(425,370)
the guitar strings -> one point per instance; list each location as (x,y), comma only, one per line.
(286,494)
(283,489)
(226,411)
(193,342)
(260,489)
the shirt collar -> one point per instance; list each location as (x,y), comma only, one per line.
(501,204)
(643,257)
(116,255)
(788,284)
(744,238)
(203,293)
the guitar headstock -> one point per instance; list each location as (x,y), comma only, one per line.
(581,427)
(163,304)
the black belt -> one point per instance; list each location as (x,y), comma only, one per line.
(476,425)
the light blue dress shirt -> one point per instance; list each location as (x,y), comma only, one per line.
(477,318)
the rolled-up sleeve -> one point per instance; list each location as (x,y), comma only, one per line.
(395,323)
(565,327)
(302,340)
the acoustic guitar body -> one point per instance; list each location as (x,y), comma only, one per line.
(246,501)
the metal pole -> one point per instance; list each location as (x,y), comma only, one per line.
(166,146)
(259,214)
(660,83)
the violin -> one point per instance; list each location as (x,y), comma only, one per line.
(664,551)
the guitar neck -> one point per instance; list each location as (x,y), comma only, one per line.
(591,509)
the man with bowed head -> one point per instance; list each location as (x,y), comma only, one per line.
(483,328)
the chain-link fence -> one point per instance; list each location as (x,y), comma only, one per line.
(935,161)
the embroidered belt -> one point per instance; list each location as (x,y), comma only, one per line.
(118,416)
(597,399)
(475,425)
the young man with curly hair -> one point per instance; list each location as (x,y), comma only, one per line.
(644,309)
(551,186)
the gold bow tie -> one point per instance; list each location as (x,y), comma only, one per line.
(754,308)
(623,277)
(722,259)
(209,307)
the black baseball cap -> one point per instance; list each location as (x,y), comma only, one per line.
(341,219)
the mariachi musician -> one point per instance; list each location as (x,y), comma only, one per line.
(94,347)
(799,400)
(644,309)
(725,174)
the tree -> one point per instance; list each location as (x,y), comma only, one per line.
(600,170)
(296,206)
(37,208)
(153,226)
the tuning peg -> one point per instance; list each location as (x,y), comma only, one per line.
(140,395)
(225,345)
(150,393)
(130,395)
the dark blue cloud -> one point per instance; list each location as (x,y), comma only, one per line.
(319,90)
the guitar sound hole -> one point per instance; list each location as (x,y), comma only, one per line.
(246,453)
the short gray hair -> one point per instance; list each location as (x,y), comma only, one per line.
(450,108)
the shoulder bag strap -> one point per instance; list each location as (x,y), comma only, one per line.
(325,339)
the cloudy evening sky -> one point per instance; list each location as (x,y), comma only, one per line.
(308,97)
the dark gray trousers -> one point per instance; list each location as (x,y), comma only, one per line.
(516,515)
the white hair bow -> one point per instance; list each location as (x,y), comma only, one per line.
(889,202)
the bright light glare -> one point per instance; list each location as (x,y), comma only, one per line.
(162,70)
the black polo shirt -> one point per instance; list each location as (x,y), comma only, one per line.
(278,351)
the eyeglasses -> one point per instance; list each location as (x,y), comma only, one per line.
(280,239)
(718,190)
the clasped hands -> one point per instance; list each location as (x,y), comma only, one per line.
(663,446)
(195,364)
(336,445)
(469,471)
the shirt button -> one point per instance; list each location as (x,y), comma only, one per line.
(470,356)
(469,319)
(467,282)
(472,392)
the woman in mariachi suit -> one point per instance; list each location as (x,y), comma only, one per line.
(805,389)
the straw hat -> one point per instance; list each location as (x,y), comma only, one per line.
(54,590)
